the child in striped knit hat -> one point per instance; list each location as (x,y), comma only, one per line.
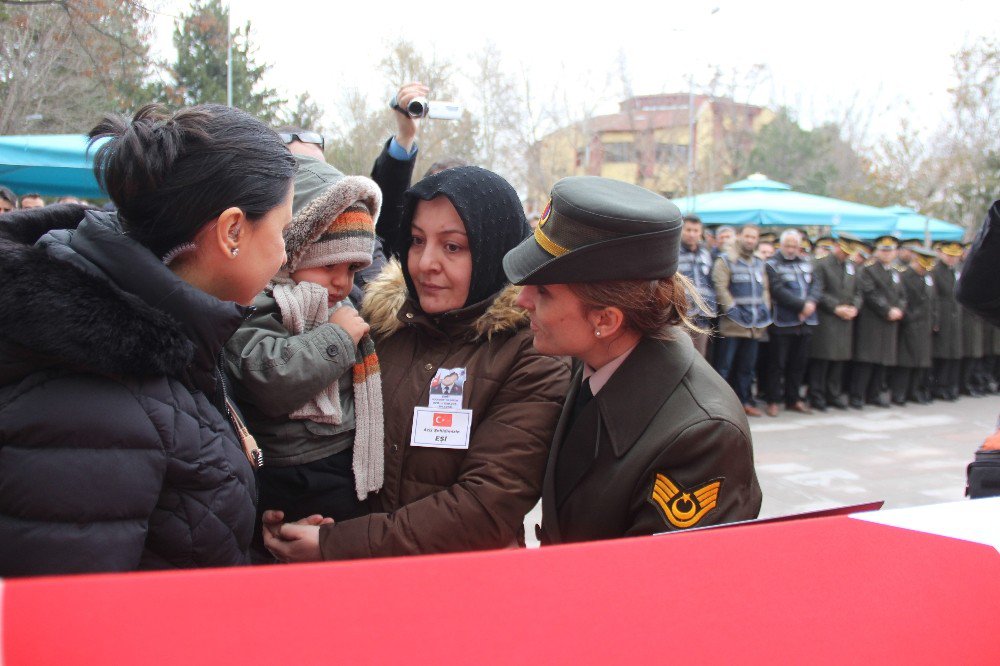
(306,375)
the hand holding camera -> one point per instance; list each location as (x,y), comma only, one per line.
(411,104)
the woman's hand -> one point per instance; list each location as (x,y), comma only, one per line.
(293,542)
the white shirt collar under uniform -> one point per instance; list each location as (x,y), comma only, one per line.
(598,378)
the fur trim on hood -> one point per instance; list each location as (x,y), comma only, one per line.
(386,296)
(66,316)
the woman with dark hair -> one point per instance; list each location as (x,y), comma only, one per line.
(651,439)
(463,467)
(119,449)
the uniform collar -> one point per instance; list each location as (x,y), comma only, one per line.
(639,387)
(598,378)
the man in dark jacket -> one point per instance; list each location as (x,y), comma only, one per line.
(908,379)
(875,340)
(794,295)
(946,342)
(695,263)
(833,339)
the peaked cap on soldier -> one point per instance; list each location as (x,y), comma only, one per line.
(597,229)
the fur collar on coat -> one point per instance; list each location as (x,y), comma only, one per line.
(60,309)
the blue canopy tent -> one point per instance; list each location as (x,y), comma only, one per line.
(759,200)
(908,224)
(49,164)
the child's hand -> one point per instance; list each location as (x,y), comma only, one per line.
(349,320)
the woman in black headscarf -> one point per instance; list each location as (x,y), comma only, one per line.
(462,469)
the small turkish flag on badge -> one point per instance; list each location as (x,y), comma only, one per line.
(443,420)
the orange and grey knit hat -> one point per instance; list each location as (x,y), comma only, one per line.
(333,217)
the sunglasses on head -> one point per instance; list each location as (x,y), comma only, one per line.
(304,137)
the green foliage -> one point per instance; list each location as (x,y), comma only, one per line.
(816,161)
(200,72)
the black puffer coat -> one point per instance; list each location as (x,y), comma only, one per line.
(114,451)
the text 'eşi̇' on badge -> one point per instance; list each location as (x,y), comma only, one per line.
(441,429)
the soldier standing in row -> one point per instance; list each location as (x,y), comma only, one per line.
(946,343)
(908,379)
(878,326)
(973,331)
(833,337)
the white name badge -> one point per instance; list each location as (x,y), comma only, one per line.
(441,429)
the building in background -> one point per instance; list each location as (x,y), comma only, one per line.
(647,143)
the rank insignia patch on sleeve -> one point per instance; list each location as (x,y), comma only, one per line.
(683,507)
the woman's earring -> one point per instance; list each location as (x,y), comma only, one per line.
(597,333)
(235,251)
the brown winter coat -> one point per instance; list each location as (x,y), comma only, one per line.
(441,500)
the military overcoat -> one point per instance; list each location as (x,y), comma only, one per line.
(921,314)
(947,339)
(833,337)
(972,334)
(666,446)
(875,338)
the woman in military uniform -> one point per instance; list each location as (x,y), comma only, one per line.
(651,439)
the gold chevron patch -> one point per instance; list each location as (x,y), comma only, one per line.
(683,507)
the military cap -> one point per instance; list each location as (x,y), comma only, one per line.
(911,243)
(925,257)
(886,242)
(597,229)
(806,243)
(951,249)
(826,241)
(862,247)
(849,243)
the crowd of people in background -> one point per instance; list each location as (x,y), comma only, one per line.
(836,322)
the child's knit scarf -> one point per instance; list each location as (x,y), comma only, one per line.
(303,307)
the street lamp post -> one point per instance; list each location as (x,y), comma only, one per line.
(691,126)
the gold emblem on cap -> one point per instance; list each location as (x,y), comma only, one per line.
(680,506)
(545,214)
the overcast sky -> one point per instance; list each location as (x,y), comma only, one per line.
(893,57)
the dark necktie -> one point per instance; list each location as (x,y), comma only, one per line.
(576,453)
(583,396)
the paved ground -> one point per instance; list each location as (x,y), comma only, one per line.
(906,456)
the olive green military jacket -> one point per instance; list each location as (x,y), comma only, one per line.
(665,444)
(875,338)
(833,337)
(921,315)
(947,338)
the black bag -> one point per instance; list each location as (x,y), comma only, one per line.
(983,475)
